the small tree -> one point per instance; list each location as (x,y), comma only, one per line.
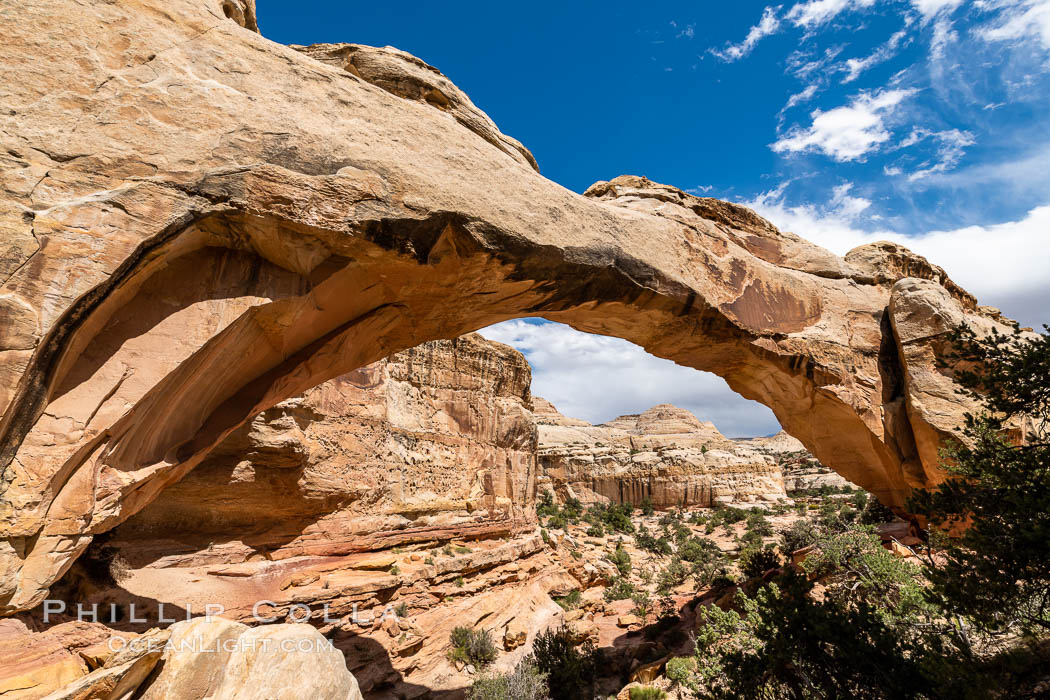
(783,644)
(997,572)
(620,559)
(570,670)
(799,534)
(755,562)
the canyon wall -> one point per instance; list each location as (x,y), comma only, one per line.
(665,454)
(431,443)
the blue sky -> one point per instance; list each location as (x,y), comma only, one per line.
(845,121)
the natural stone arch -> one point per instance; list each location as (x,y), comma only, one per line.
(184,280)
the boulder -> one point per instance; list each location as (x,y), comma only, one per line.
(515,633)
(286,661)
(629,620)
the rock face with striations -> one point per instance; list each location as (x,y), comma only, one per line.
(664,454)
(434,442)
(198,224)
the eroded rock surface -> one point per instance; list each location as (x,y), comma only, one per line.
(199,223)
(665,455)
(432,443)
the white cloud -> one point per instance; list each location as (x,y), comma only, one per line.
(801,64)
(855,66)
(930,8)
(848,132)
(1002,264)
(800,97)
(766,26)
(817,12)
(951,147)
(942,36)
(597,378)
(846,205)
(1021,20)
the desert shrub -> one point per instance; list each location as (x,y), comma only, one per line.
(570,669)
(722,582)
(645,540)
(646,506)
(470,646)
(680,670)
(596,531)
(729,515)
(783,644)
(669,519)
(706,559)
(525,682)
(620,559)
(557,522)
(696,549)
(682,532)
(546,536)
(572,510)
(570,601)
(836,515)
(618,518)
(799,534)
(755,562)
(704,573)
(615,517)
(646,692)
(642,602)
(751,540)
(856,568)
(674,574)
(759,524)
(619,588)
(401,610)
(874,513)
(545,505)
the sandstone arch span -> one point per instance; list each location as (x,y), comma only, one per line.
(199,223)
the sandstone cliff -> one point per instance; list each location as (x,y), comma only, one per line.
(432,443)
(665,454)
(199,223)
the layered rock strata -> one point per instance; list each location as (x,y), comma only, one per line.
(665,455)
(433,443)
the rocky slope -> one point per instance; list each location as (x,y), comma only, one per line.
(665,454)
